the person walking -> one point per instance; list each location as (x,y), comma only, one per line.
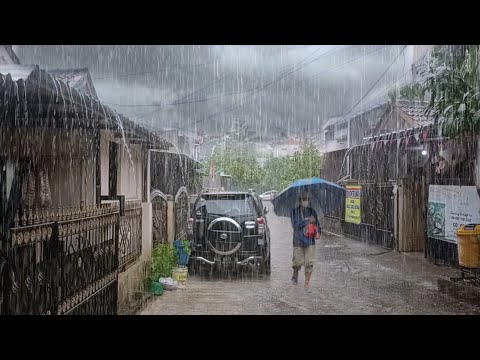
(306,229)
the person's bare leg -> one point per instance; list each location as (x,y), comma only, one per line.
(308,274)
(309,261)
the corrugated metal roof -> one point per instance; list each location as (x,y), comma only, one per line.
(18,72)
(88,106)
(79,79)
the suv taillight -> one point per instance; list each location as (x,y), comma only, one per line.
(190,225)
(261,225)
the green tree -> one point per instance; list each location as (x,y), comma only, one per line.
(240,161)
(281,172)
(452,81)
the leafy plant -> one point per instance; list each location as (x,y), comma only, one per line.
(186,246)
(163,261)
(281,172)
(452,80)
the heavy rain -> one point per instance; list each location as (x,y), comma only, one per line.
(239,179)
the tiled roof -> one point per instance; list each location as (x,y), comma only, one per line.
(416,110)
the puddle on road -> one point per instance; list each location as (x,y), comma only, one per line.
(333,246)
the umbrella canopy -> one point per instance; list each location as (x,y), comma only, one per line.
(323,195)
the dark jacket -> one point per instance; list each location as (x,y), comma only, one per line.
(299,221)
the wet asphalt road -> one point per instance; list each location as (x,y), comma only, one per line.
(350,277)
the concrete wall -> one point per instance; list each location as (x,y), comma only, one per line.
(334,145)
(132,290)
(130,172)
(66,156)
(105,138)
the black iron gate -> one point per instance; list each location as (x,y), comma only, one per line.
(62,262)
(377,216)
(159,214)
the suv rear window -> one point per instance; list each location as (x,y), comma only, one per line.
(221,204)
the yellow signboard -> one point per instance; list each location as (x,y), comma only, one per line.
(352,204)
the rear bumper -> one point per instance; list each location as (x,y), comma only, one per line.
(244,262)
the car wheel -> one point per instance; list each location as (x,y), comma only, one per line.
(267,266)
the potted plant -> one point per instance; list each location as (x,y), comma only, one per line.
(182,249)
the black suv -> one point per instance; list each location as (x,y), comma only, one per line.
(228,230)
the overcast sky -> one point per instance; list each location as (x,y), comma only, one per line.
(269,88)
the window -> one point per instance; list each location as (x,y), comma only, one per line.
(342,132)
(223,204)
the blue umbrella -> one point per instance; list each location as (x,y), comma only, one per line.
(323,195)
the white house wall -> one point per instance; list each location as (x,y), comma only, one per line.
(105,138)
(334,145)
(130,173)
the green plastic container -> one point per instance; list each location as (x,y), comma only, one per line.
(156,288)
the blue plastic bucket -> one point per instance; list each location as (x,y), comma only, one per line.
(182,256)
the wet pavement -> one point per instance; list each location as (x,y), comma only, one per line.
(350,277)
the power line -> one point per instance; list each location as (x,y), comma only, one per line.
(173,103)
(371,88)
(152,72)
(300,66)
(339,66)
(257,88)
(280,77)
(283,74)
(205,87)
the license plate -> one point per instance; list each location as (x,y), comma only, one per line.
(260,241)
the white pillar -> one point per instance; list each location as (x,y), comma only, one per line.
(148,181)
(147,223)
(477,164)
(170,219)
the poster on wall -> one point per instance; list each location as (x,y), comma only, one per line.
(450,207)
(352,204)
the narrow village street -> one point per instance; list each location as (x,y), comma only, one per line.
(350,278)
(121,165)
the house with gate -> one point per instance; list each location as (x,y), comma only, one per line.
(396,167)
(77,221)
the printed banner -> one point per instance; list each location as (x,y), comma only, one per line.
(450,207)
(352,204)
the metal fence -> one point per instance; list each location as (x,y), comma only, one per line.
(130,241)
(66,261)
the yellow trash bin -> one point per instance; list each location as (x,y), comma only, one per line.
(468,241)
